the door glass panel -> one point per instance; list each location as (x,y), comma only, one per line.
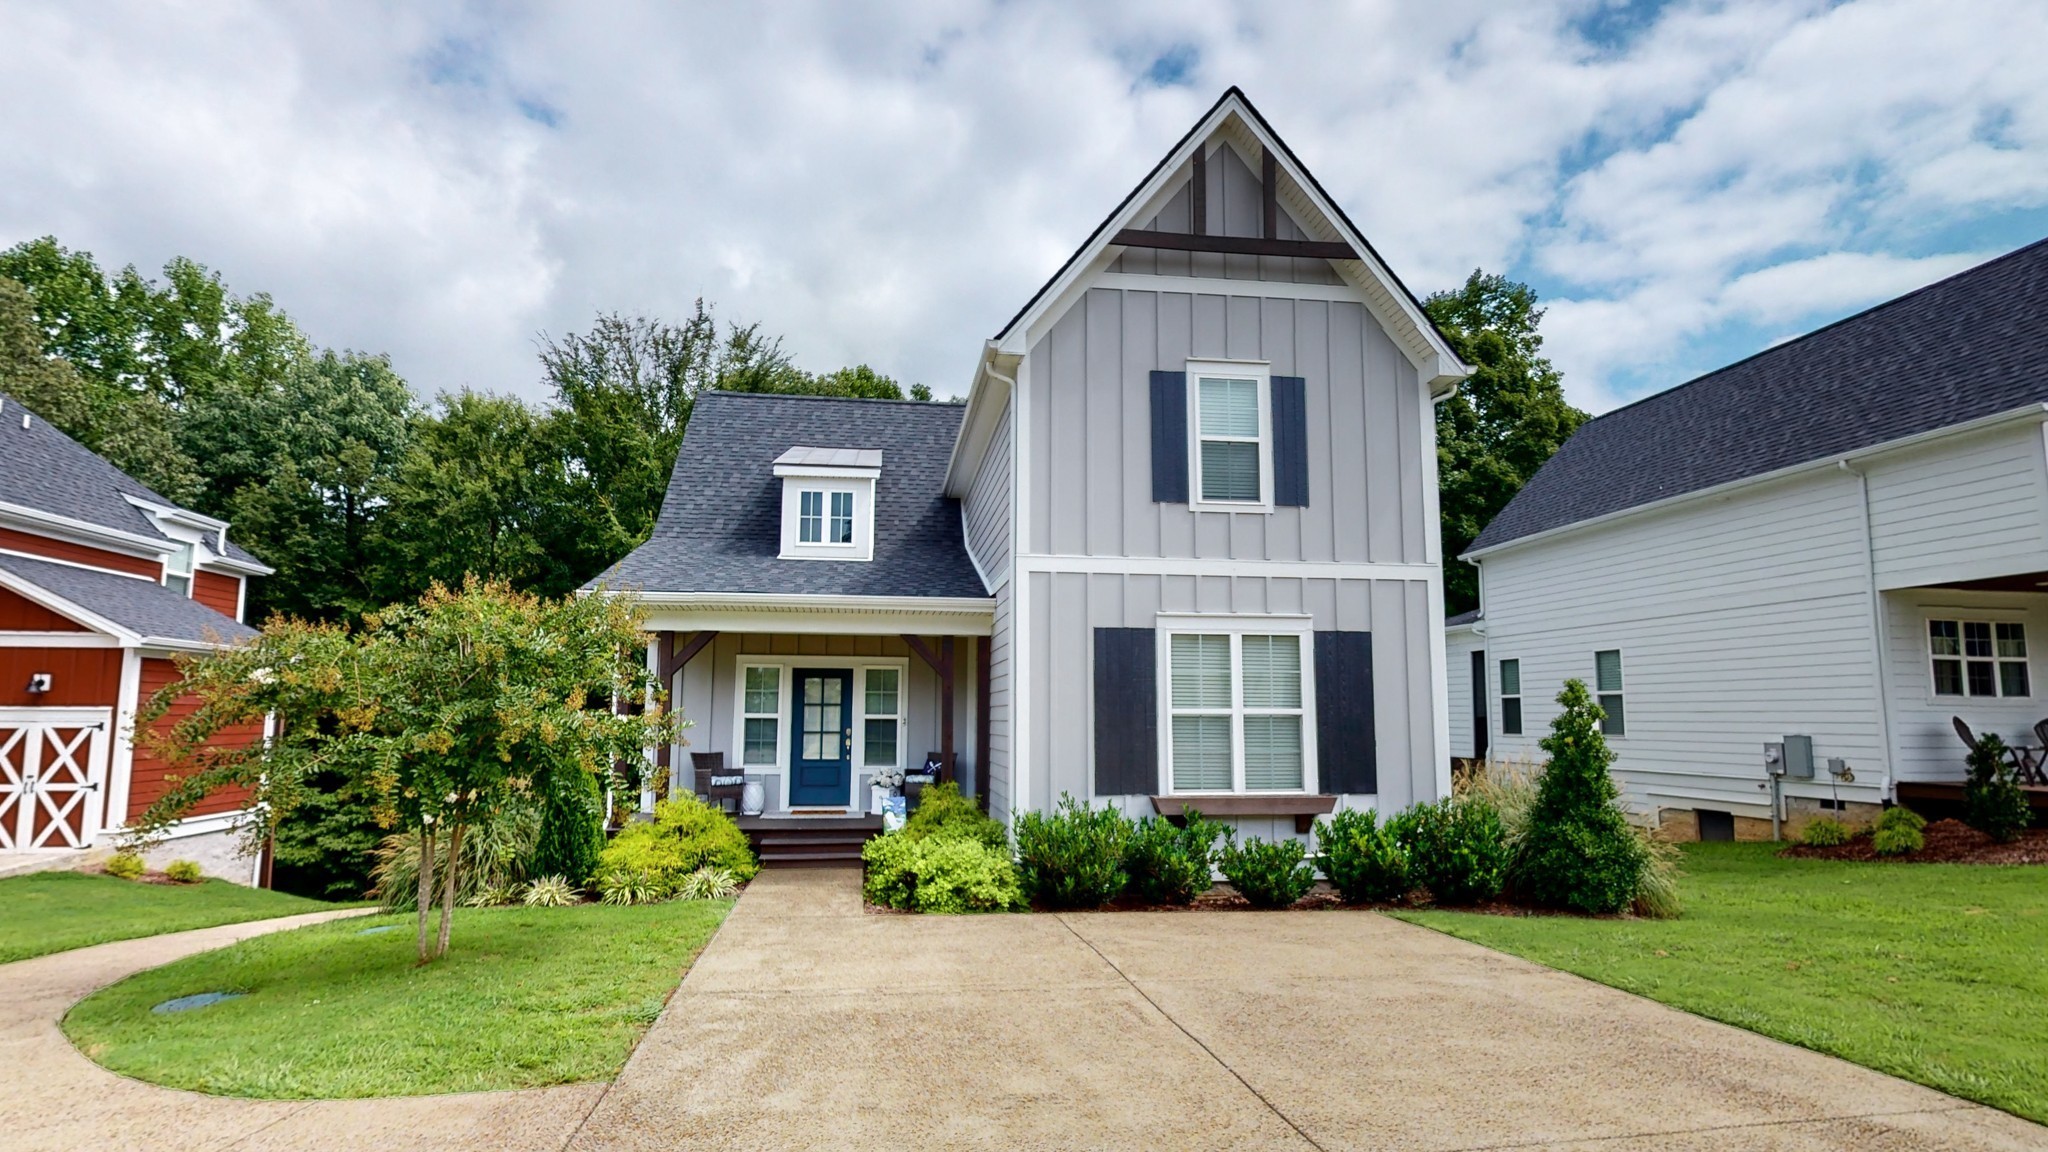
(824,717)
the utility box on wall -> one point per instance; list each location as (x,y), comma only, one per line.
(1799,757)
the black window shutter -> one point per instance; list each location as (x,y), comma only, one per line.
(1169,437)
(1347,759)
(1290,441)
(1126,712)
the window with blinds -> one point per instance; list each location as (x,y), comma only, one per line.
(1231,450)
(1237,713)
(1607,685)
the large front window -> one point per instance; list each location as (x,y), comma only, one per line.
(1979,658)
(1236,712)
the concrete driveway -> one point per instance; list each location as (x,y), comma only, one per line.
(810,1024)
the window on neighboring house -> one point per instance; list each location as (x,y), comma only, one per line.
(1511,697)
(1237,715)
(761,716)
(1607,685)
(1979,658)
(178,570)
(1231,445)
(882,717)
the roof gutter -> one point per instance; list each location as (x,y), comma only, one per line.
(994,380)
(2031,413)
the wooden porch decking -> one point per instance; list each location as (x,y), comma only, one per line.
(809,841)
(1944,792)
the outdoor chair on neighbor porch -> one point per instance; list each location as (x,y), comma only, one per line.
(715,785)
(2029,761)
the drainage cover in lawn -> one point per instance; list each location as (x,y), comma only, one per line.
(377,929)
(198,1000)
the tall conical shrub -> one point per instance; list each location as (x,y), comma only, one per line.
(1578,851)
(571,827)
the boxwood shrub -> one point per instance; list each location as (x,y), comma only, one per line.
(1073,857)
(1456,848)
(1267,873)
(1363,860)
(941,874)
(1171,865)
(686,834)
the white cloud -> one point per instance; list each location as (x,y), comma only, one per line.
(888,183)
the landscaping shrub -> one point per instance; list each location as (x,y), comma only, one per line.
(709,884)
(686,834)
(1073,857)
(1456,849)
(945,874)
(125,866)
(1899,833)
(1361,857)
(1579,850)
(184,872)
(1267,873)
(1993,802)
(1509,785)
(550,892)
(627,887)
(1171,865)
(493,896)
(1825,832)
(571,833)
(943,811)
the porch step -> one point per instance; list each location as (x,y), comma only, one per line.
(809,842)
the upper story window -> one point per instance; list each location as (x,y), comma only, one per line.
(828,502)
(178,569)
(1232,424)
(1979,657)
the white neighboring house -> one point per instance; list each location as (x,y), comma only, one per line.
(1844,537)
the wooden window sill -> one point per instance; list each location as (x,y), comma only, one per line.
(1304,808)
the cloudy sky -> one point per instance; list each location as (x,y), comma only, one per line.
(1684,183)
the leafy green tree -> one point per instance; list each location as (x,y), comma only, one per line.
(443,711)
(1506,419)
(1578,851)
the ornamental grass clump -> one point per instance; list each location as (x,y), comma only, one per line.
(1074,856)
(1993,802)
(1899,833)
(1825,832)
(1267,873)
(1579,850)
(1456,848)
(1166,864)
(1363,860)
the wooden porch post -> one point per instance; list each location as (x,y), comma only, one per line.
(670,657)
(981,720)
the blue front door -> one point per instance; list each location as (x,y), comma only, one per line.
(821,762)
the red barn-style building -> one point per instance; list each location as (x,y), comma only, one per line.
(102,583)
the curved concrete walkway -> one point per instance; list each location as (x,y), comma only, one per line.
(53,1099)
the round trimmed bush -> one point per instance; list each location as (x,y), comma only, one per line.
(125,866)
(1824,832)
(1073,857)
(686,834)
(1899,833)
(1363,860)
(1168,864)
(1267,873)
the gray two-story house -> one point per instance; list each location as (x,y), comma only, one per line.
(1179,547)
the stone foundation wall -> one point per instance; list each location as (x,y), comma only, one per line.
(218,854)
(1682,824)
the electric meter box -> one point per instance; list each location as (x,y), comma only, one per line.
(1799,757)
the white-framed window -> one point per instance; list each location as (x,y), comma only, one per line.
(828,503)
(178,569)
(1230,423)
(1237,704)
(1511,697)
(761,712)
(1984,658)
(1607,687)
(881,717)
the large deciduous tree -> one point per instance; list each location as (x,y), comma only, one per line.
(439,711)
(1507,418)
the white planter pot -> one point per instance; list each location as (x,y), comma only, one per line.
(878,798)
(753,798)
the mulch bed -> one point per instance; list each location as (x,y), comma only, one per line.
(1948,842)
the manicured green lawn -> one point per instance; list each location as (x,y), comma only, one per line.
(46,912)
(526,997)
(1932,972)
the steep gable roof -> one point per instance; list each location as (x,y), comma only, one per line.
(720,528)
(1971,346)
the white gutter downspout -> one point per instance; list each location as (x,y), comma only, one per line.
(1877,646)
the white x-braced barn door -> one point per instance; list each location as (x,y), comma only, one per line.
(53,772)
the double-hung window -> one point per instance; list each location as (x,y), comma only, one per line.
(1979,658)
(1233,446)
(1237,715)
(815,525)
(178,570)
(761,715)
(882,717)
(1511,697)
(1607,686)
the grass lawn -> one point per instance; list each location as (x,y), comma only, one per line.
(46,912)
(1931,972)
(526,997)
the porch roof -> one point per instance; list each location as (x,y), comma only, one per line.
(136,609)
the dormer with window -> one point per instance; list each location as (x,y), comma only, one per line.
(828,502)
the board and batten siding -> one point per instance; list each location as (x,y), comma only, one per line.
(987,507)
(1235,208)
(1089,448)
(1960,509)
(1741,619)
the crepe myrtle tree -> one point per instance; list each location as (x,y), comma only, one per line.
(441,710)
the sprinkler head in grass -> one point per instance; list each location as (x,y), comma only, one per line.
(198,1000)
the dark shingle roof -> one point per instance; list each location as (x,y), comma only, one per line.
(1465,617)
(144,607)
(1970,346)
(720,528)
(43,469)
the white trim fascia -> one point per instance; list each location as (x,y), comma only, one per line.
(229,566)
(63,563)
(175,645)
(819,615)
(1832,462)
(29,590)
(1169,566)
(826,472)
(1344,293)
(195,825)
(1020,595)
(57,640)
(85,532)
(987,395)
(800,602)
(121,748)
(185,516)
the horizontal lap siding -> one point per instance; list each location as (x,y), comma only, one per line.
(988,507)
(1001,682)
(1740,621)
(13,541)
(1089,410)
(150,778)
(221,593)
(1974,508)
(1458,649)
(1923,728)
